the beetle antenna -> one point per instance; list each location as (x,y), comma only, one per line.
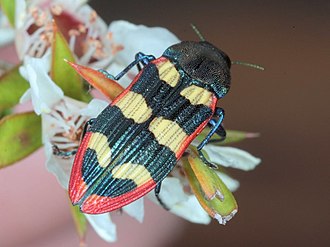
(255,66)
(200,36)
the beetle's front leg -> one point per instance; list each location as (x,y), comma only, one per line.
(216,127)
(139,58)
(221,132)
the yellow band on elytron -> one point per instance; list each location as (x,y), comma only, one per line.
(138,173)
(197,95)
(134,106)
(168,73)
(99,143)
(168,133)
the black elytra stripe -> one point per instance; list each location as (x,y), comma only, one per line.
(110,122)
(189,117)
(112,187)
(151,87)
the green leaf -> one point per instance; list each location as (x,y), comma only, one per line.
(5,112)
(8,7)
(108,87)
(80,223)
(213,195)
(20,135)
(12,87)
(231,137)
(61,73)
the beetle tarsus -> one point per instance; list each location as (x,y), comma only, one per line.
(203,158)
(107,74)
(157,191)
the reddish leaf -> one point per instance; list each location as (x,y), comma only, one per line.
(110,88)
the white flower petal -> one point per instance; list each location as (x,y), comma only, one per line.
(171,192)
(94,108)
(179,203)
(44,92)
(26,96)
(103,225)
(139,38)
(232,157)
(20,13)
(135,209)
(7,33)
(6,36)
(61,168)
(192,211)
(232,184)
(73,5)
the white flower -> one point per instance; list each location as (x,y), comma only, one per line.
(86,32)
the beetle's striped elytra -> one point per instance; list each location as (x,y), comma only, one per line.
(137,140)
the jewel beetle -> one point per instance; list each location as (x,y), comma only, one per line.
(137,140)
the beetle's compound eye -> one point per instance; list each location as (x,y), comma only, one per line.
(203,62)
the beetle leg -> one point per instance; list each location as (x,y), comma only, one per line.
(216,128)
(88,124)
(65,155)
(221,132)
(139,58)
(69,154)
(157,190)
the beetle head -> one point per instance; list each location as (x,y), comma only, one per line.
(204,63)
